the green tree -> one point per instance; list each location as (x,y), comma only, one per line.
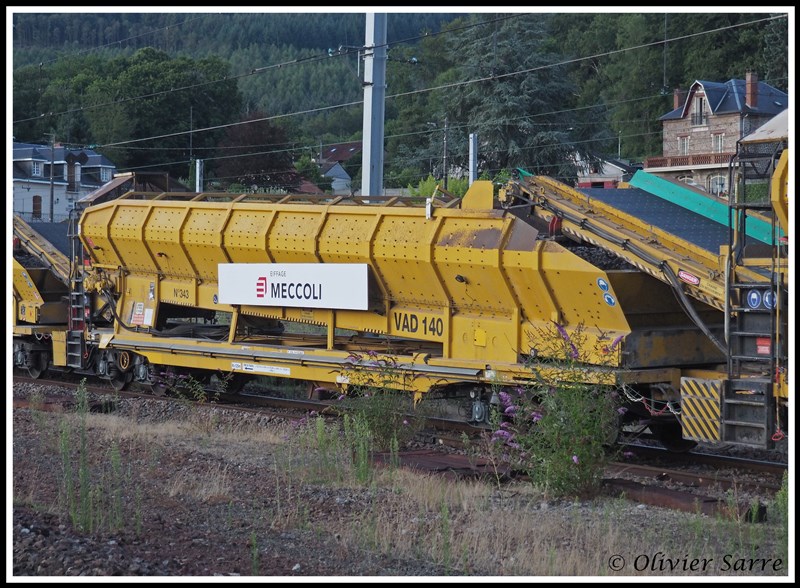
(506,88)
(257,154)
(309,170)
(145,103)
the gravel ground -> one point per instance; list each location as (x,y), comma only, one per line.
(179,490)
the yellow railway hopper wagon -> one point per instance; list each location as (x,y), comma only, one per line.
(453,295)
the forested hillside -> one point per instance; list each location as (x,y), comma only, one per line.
(159,90)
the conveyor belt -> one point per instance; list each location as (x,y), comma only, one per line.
(675,244)
(669,217)
(49,242)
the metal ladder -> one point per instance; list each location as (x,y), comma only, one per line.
(76,320)
(756,324)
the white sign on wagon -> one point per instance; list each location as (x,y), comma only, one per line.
(304,285)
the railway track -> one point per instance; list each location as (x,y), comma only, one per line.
(692,482)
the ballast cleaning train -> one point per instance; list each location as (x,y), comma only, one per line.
(458,295)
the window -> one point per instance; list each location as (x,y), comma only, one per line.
(37,207)
(36,168)
(699,115)
(105,174)
(77,173)
(716,186)
(717,142)
(683,145)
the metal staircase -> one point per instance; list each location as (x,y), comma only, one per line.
(756,318)
(76,345)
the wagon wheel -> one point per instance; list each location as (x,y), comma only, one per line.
(35,368)
(120,381)
(159,389)
(123,376)
(158,384)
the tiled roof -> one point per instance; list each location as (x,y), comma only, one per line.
(341,152)
(32,151)
(730,97)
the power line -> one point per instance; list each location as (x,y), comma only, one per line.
(577,59)
(255,71)
(442,87)
(427,131)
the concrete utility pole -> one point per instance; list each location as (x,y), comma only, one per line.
(445,153)
(374,95)
(473,157)
(198,175)
(52,168)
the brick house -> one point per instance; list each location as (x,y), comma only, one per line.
(76,173)
(700,133)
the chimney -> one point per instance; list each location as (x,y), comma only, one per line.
(678,98)
(751,89)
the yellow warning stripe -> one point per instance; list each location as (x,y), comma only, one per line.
(700,409)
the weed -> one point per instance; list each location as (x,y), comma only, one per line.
(558,431)
(254,564)
(359,438)
(780,508)
(376,395)
(444,517)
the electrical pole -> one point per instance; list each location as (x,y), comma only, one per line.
(445,153)
(374,108)
(473,157)
(52,167)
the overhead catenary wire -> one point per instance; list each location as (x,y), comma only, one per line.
(357,102)
(325,56)
(296,149)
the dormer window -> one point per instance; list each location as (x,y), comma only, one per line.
(699,118)
(105,174)
(36,168)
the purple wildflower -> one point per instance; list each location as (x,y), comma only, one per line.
(510,410)
(628,454)
(405,423)
(562,331)
(573,351)
(564,335)
(501,434)
(574,459)
(513,445)
(341,397)
(505,399)
(536,416)
(622,410)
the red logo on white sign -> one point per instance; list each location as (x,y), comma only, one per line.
(688,278)
(261,287)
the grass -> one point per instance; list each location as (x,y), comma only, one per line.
(131,466)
